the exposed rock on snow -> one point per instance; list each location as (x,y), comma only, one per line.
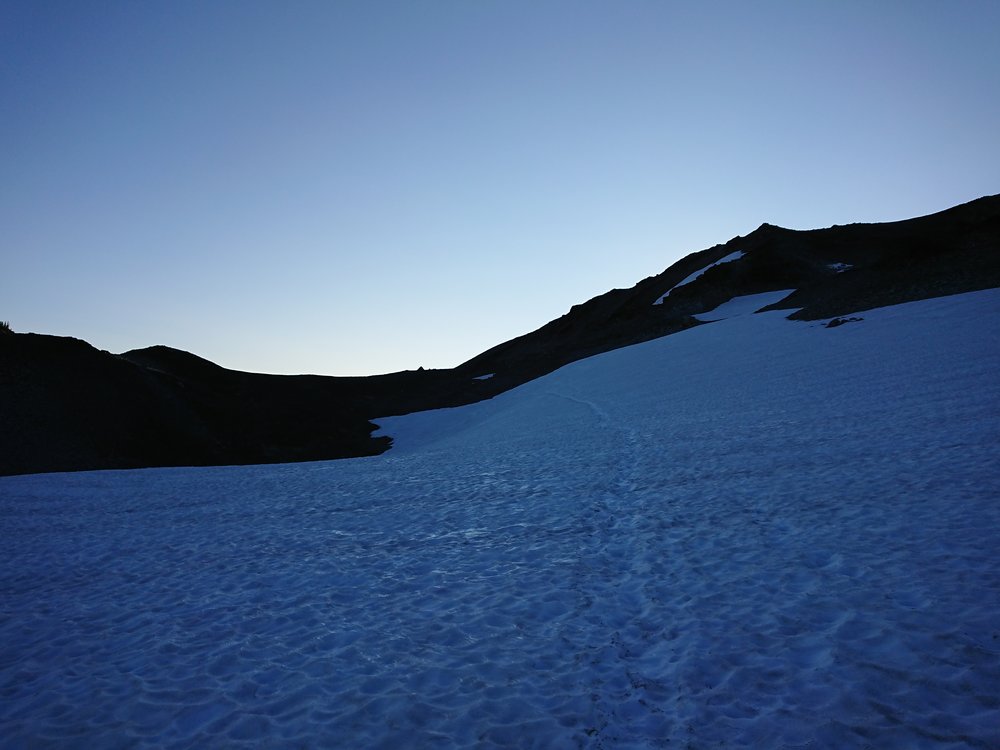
(840,321)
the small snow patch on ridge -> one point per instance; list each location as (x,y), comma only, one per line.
(484,377)
(728,259)
(745,305)
(839,267)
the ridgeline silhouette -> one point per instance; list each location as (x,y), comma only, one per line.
(66,406)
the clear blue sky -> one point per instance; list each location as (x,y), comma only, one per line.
(361,187)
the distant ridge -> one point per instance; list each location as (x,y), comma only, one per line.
(835,271)
(65,406)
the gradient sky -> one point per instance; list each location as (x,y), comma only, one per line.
(359,187)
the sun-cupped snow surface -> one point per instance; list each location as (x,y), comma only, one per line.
(753,533)
(728,259)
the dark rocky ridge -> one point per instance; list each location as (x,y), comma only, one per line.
(66,406)
(953,251)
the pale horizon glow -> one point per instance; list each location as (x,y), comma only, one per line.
(354,188)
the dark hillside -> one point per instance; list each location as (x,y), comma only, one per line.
(67,406)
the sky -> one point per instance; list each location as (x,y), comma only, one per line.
(349,188)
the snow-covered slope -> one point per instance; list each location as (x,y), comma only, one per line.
(756,532)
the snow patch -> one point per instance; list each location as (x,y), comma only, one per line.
(484,377)
(745,305)
(728,259)
(839,267)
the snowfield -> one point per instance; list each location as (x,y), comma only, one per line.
(754,533)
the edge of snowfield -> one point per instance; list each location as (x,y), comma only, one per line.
(759,364)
